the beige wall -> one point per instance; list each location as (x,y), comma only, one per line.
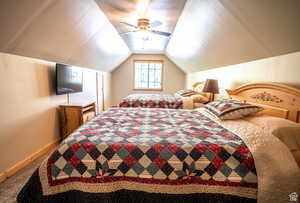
(282,69)
(28,106)
(123,77)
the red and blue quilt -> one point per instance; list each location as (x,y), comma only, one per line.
(146,155)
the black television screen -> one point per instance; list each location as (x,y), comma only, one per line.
(68,79)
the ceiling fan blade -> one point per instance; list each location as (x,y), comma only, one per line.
(155,23)
(166,34)
(124,33)
(128,24)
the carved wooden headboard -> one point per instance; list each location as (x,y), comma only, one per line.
(277,99)
(198,86)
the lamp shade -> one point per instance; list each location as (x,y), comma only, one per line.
(211,86)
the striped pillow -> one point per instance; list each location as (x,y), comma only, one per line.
(184,92)
(232,109)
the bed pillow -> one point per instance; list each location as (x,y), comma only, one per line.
(231,109)
(185,92)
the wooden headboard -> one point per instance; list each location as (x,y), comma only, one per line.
(277,99)
(198,86)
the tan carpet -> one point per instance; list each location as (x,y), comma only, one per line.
(11,186)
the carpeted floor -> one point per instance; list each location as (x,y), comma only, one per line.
(11,186)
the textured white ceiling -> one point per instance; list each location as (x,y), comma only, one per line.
(166,11)
(67,31)
(215,33)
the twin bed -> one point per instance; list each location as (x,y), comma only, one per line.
(183,99)
(162,155)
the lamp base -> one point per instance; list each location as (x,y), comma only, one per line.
(212,97)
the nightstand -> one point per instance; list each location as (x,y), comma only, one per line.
(74,115)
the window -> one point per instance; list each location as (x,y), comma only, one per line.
(148,75)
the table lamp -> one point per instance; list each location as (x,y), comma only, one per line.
(211,86)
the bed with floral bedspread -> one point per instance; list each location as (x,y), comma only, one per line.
(146,155)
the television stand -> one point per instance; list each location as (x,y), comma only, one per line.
(74,115)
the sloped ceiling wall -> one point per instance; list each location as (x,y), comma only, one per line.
(74,32)
(215,33)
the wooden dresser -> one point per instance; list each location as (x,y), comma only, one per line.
(74,115)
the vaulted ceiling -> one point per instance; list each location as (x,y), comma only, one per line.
(205,33)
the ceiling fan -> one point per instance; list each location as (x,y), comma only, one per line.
(144,25)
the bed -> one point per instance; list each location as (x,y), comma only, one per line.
(183,99)
(169,101)
(174,155)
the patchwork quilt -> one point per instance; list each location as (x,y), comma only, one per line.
(169,101)
(146,155)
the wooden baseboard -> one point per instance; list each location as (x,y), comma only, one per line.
(22,164)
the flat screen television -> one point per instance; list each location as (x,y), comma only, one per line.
(68,79)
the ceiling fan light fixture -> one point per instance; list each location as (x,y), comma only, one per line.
(143,23)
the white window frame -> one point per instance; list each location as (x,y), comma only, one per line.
(161,75)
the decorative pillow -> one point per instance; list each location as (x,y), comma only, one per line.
(184,93)
(232,109)
(197,98)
